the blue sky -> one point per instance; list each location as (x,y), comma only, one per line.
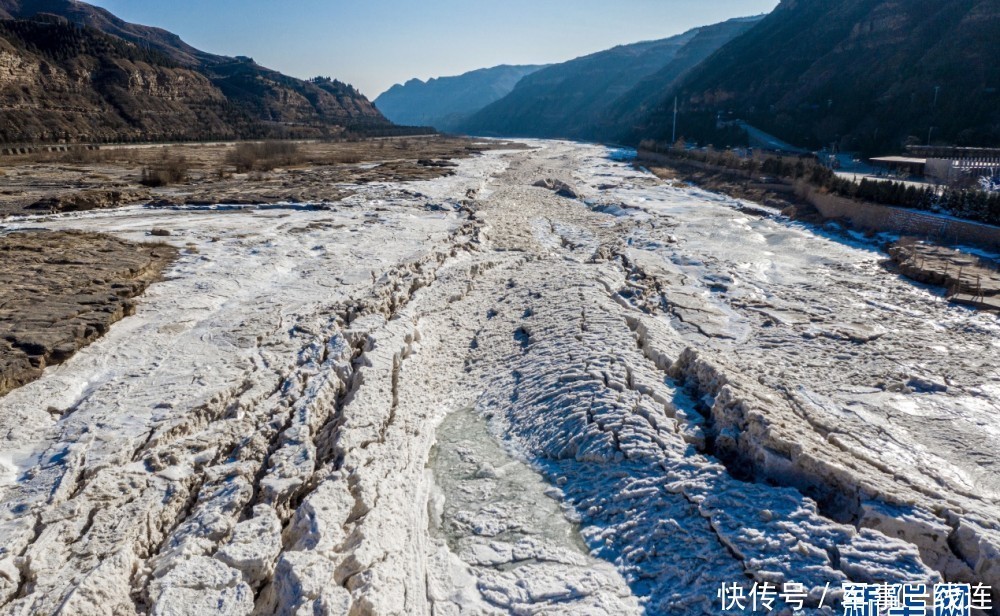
(376,43)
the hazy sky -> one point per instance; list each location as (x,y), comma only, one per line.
(376,43)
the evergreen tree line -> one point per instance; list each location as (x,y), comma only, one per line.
(58,42)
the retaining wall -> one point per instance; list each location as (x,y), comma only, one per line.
(22,150)
(869,216)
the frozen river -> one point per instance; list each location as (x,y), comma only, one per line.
(474,395)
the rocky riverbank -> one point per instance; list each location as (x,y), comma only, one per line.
(63,290)
(967,279)
(211,173)
(59,291)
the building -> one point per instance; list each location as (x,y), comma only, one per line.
(904,166)
(949,164)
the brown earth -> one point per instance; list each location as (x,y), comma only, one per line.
(317,171)
(968,279)
(59,291)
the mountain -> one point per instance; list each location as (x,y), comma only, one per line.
(83,14)
(73,72)
(621,118)
(872,75)
(589,97)
(445,102)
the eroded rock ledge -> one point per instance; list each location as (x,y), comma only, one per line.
(59,291)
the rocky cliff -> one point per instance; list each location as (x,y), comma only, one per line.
(73,72)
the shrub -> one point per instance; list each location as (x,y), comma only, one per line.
(263,156)
(169,170)
(346,158)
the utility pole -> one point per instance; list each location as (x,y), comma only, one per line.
(931,131)
(674,139)
(936,90)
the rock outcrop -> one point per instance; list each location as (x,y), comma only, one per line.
(967,279)
(59,291)
(89,200)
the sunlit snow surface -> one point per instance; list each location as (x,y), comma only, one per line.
(793,303)
(605,405)
(245,272)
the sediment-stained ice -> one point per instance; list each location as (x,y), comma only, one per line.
(477,395)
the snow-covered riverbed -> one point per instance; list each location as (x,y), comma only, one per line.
(474,395)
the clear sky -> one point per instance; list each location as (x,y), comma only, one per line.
(376,43)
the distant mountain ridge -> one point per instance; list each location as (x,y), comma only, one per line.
(73,72)
(869,75)
(445,102)
(595,96)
